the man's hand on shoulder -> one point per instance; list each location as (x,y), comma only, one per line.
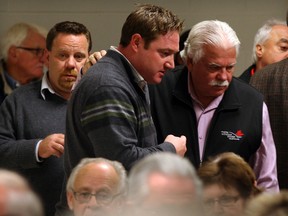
(92,59)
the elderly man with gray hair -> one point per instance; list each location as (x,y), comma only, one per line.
(22,56)
(217,112)
(164,184)
(270,46)
(17,197)
(96,186)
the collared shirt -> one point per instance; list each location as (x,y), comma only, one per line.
(264,159)
(46,85)
(10,81)
(137,77)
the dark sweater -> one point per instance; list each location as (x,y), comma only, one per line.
(25,118)
(272,81)
(108,116)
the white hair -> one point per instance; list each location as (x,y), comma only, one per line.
(263,34)
(16,34)
(20,199)
(210,32)
(120,170)
(164,163)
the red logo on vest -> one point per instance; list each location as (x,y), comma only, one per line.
(239,133)
(233,136)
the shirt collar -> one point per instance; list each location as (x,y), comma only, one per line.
(137,77)
(11,82)
(45,85)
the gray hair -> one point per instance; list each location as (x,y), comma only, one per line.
(210,32)
(267,204)
(263,34)
(13,180)
(16,34)
(121,172)
(20,199)
(24,203)
(164,163)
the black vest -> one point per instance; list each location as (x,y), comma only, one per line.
(236,125)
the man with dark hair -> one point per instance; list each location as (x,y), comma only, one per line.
(32,118)
(109,113)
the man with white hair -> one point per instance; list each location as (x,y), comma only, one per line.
(22,56)
(17,197)
(214,110)
(272,81)
(164,184)
(96,186)
(270,46)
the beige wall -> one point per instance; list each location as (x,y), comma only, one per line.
(104,18)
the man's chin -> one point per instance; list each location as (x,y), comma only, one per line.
(94,212)
(68,85)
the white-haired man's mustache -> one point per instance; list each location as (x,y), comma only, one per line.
(219,83)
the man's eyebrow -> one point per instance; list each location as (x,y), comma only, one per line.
(217,65)
(168,50)
(283,40)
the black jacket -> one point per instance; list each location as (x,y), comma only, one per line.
(246,75)
(240,110)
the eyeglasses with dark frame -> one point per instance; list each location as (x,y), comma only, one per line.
(39,52)
(102,199)
(225,201)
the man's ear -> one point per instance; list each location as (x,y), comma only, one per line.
(136,40)
(189,62)
(12,54)
(70,197)
(259,50)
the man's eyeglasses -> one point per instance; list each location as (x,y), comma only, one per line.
(225,201)
(101,198)
(36,51)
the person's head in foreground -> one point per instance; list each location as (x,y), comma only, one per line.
(229,182)
(16,196)
(267,204)
(96,186)
(164,184)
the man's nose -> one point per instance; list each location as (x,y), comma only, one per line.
(93,201)
(222,74)
(71,62)
(170,62)
(217,208)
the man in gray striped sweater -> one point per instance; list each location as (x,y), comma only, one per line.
(109,112)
